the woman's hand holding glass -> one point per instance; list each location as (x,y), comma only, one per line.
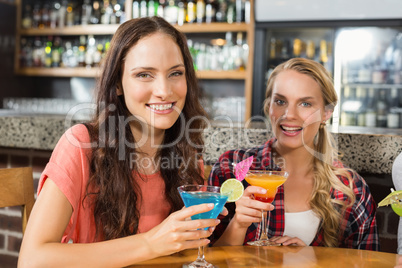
(178,233)
(248,210)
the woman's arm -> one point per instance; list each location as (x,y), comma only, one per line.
(41,245)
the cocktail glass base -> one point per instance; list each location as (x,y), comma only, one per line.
(262,243)
(198,264)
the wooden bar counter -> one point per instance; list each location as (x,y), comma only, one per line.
(286,256)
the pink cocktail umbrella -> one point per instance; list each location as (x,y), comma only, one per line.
(241,168)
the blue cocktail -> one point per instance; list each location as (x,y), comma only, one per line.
(200,194)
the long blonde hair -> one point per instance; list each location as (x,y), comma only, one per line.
(325,173)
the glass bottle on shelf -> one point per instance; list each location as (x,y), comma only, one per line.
(45,20)
(136,9)
(26,22)
(70,14)
(143,9)
(171,13)
(191,11)
(210,11)
(36,16)
(221,11)
(361,95)
(86,11)
(200,11)
(239,10)
(371,115)
(393,112)
(56,52)
(382,109)
(54,14)
(161,8)
(348,114)
(96,13)
(181,12)
(231,12)
(152,8)
(310,50)
(48,52)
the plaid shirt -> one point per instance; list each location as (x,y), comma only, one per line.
(358,226)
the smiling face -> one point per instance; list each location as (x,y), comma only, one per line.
(154,82)
(296,109)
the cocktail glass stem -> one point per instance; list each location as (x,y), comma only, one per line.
(200,262)
(264,235)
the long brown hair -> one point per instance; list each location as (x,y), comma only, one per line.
(325,173)
(112,186)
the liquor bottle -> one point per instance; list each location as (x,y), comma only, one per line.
(26,22)
(324,53)
(36,16)
(90,51)
(371,115)
(171,12)
(143,9)
(361,96)
(191,11)
(348,113)
(62,14)
(54,14)
(152,8)
(45,20)
(161,8)
(56,52)
(106,12)
(86,11)
(247,11)
(181,13)
(310,50)
(393,112)
(200,11)
(231,12)
(382,109)
(239,51)
(221,11)
(297,47)
(81,51)
(48,52)
(119,12)
(210,11)
(136,9)
(96,13)
(97,57)
(70,14)
(240,10)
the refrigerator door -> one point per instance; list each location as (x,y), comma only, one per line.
(368,75)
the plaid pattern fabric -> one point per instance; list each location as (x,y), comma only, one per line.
(358,226)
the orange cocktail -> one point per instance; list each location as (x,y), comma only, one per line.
(268,181)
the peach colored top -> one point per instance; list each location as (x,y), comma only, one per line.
(68,167)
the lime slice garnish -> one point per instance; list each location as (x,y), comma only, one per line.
(234,187)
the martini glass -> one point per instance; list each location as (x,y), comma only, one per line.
(269,180)
(201,194)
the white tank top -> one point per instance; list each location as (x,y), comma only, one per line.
(303,225)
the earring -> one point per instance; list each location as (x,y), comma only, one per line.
(323,124)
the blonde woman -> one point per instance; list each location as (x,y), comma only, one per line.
(322,203)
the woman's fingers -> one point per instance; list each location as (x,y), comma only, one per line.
(187,212)
(287,240)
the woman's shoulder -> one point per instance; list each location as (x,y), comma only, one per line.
(76,136)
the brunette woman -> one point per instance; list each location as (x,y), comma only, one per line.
(110,187)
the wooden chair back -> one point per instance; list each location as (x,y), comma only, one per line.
(16,189)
